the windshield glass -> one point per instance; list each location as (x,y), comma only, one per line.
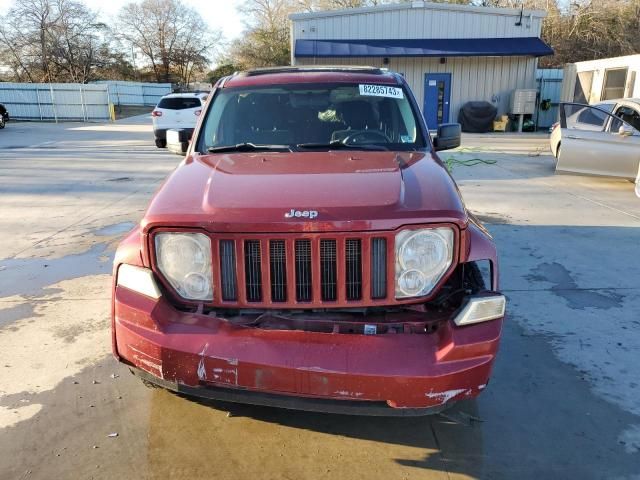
(312,117)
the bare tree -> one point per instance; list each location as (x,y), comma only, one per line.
(590,29)
(75,40)
(53,40)
(266,38)
(24,33)
(172,37)
(315,5)
(14,50)
(265,41)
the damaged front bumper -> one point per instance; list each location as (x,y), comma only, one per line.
(307,404)
(391,373)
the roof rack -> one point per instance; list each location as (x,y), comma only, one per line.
(312,69)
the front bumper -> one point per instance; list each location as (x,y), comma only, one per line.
(205,356)
(307,404)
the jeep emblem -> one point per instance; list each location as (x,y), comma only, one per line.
(310,214)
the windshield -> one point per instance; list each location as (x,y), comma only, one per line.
(320,117)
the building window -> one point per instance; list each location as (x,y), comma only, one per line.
(582,91)
(615,80)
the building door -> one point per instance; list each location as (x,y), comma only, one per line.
(437,94)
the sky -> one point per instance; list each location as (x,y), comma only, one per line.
(219,14)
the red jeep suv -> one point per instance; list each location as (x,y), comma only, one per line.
(311,252)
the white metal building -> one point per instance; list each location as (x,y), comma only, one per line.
(450,54)
(603,79)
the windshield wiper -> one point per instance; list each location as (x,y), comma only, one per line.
(337,144)
(246,147)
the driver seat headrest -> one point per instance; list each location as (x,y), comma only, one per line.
(358,115)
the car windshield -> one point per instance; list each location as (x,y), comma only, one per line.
(311,117)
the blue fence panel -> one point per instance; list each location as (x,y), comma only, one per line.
(549,84)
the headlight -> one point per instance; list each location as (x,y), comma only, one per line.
(185,261)
(422,257)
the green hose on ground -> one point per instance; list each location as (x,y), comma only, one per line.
(451,161)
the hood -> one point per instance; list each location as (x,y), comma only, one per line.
(261,192)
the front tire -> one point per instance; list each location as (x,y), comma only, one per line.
(161,143)
(2,122)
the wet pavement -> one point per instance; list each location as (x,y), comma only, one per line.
(563,401)
(28,276)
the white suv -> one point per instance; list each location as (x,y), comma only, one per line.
(177,110)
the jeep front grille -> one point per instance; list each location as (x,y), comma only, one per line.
(303,270)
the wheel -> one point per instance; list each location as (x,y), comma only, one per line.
(161,143)
(2,122)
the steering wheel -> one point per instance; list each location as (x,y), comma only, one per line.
(363,135)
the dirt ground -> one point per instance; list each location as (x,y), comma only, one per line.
(564,401)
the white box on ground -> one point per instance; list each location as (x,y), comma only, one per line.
(177,140)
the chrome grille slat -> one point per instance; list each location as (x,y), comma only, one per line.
(378,268)
(353,263)
(303,270)
(328,270)
(278,266)
(253,270)
(228,270)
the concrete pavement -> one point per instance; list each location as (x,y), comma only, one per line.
(563,402)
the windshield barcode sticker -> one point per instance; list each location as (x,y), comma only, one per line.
(381,91)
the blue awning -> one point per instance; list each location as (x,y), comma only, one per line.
(428,47)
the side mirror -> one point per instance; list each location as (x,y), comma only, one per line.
(449,136)
(625,131)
